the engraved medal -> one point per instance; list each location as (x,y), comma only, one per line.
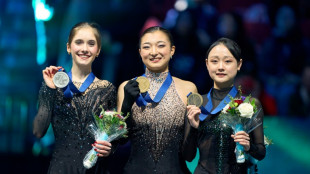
(61,79)
(144,84)
(194,99)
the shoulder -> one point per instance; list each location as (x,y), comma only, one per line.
(120,90)
(104,86)
(186,86)
(257,102)
(121,86)
(104,83)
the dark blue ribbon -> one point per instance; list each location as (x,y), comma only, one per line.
(145,98)
(206,110)
(70,89)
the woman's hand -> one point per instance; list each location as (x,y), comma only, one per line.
(103,148)
(48,74)
(193,113)
(242,138)
(131,91)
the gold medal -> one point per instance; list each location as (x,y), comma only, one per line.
(144,84)
(194,99)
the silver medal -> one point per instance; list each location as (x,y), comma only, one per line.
(61,79)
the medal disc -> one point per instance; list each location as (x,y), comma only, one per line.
(194,99)
(61,79)
(144,84)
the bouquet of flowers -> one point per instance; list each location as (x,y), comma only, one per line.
(241,115)
(108,126)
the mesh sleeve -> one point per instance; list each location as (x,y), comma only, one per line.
(43,118)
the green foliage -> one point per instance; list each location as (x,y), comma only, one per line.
(111,122)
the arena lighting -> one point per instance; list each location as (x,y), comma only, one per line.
(41,42)
(181,5)
(42,12)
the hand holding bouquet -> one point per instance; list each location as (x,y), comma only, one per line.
(241,115)
(108,126)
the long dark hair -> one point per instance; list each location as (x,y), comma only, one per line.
(157,28)
(231,45)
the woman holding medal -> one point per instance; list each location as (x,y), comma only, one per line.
(204,130)
(156,123)
(70,107)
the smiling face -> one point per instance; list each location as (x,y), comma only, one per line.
(222,66)
(156,51)
(84,46)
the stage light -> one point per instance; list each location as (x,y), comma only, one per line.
(42,11)
(181,5)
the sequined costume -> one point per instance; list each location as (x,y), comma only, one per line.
(69,119)
(157,131)
(216,146)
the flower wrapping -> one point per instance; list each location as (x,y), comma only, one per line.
(108,126)
(241,115)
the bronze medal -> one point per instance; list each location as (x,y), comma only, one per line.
(194,99)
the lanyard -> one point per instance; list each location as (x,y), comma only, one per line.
(206,110)
(143,100)
(70,89)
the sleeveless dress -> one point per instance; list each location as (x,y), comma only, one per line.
(157,131)
(69,119)
(215,144)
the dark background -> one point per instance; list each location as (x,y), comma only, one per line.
(273,35)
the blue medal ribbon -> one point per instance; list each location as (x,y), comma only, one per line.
(206,110)
(71,88)
(142,100)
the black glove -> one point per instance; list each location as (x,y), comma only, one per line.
(131,92)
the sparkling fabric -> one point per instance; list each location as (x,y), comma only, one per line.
(216,147)
(157,131)
(69,118)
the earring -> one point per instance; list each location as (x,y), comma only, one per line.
(170,57)
(69,53)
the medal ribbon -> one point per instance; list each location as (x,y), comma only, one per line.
(206,110)
(142,100)
(71,88)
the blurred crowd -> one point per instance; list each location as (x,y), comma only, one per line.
(274,38)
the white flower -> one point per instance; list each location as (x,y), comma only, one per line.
(224,111)
(246,110)
(111,113)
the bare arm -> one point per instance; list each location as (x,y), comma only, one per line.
(189,146)
(183,88)
(120,96)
